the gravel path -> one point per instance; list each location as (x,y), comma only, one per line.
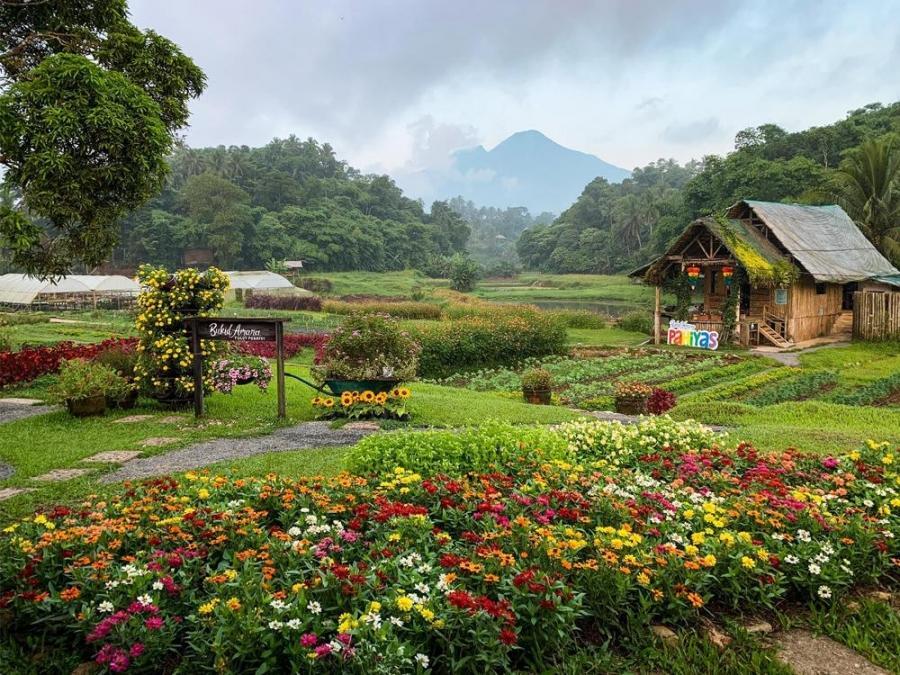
(300,437)
(10,412)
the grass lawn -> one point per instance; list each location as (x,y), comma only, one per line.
(599,337)
(535,286)
(378,283)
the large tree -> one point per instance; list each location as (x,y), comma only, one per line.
(867,185)
(89,108)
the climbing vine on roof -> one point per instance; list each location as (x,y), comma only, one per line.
(760,271)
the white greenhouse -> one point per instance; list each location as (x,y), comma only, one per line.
(247,283)
(76,291)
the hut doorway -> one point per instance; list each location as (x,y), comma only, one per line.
(847,297)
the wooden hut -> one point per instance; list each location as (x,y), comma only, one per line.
(794,270)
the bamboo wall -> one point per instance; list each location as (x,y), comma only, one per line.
(811,315)
(876,315)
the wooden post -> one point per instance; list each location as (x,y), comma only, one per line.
(279,364)
(198,370)
(656,316)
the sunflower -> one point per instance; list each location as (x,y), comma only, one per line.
(346,399)
(367,396)
(404,392)
(316,400)
(328,402)
(381,398)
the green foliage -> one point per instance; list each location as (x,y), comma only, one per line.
(369,347)
(870,393)
(79,379)
(637,320)
(804,385)
(89,107)
(735,389)
(464,273)
(579,318)
(493,444)
(483,342)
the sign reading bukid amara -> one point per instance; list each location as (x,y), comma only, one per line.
(240,330)
(686,335)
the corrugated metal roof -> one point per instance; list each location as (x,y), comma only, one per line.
(823,239)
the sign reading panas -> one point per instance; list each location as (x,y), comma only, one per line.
(247,331)
(687,335)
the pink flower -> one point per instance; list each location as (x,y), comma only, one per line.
(136,650)
(308,640)
(322,651)
(830,463)
(154,623)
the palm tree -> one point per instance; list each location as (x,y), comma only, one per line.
(867,186)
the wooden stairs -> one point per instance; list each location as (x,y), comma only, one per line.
(773,336)
(843,325)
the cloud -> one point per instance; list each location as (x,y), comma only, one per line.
(692,132)
(434,143)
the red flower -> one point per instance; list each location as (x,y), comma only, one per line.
(508,637)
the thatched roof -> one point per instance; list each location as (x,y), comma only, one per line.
(822,239)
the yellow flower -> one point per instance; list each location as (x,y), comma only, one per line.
(749,563)
(404,603)
(233,604)
(698,538)
(203,493)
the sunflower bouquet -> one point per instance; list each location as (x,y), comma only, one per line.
(362,404)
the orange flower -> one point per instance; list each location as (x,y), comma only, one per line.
(70,594)
(695,600)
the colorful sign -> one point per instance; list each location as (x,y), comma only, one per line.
(686,335)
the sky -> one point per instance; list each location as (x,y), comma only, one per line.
(396,86)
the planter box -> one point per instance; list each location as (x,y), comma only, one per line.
(631,405)
(537,396)
(338,387)
(86,407)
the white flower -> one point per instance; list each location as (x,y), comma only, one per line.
(422,660)
(791,559)
(397,621)
(111,584)
(276,625)
(295,531)
(423,588)
(814,568)
(158,586)
(278,604)
(314,607)
(106,607)
(803,535)
(234,503)
(145,600)
(824,592)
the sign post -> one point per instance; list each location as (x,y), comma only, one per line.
(242,330)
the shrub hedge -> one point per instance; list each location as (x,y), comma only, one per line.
(637,320)
(483,342)
(869,393)
(312,303)
(400,310)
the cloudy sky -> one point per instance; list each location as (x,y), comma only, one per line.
(397,85)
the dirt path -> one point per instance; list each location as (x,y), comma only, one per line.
(304,436)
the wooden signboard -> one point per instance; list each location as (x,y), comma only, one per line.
(241,330)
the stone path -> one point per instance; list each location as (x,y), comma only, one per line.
(809,654)
(19,408)
(793,358)
(6,470)
(304,436)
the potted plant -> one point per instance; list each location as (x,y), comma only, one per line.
(632,397)
(122,360)
(536,386)
(367,353)
(234,370)
(83,387)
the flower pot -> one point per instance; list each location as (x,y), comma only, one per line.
(537,396)
(86,407)
(631,405)
(126,403)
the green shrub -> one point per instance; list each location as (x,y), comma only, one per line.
(368,347)
(400,310)
(122,359)
(454,452)
(869,393)
(637,320)
(464,273)
(484,342)
(80,379)
(21,319)
(315,284)
(803,385)
(536,379)
(5,341)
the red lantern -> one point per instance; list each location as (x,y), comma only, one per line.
(727,274)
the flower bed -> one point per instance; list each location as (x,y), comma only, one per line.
(484,572)
(229,372)
(364,404)
(293,343)
(30,363)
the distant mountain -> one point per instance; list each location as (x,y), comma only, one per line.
(527,169)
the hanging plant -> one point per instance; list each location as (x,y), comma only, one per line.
(684,295)
(165,366)
(729,307)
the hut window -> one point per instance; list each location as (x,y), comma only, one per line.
(820,289)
